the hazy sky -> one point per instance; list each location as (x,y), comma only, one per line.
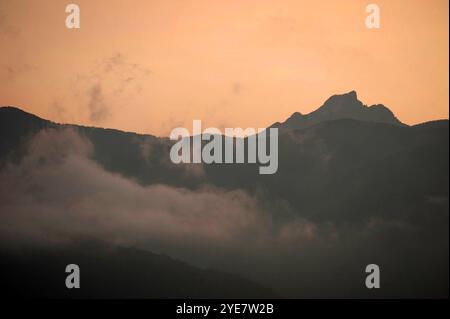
(149,66)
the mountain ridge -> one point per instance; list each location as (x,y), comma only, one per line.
(336,107)
(339,106)
(373,185)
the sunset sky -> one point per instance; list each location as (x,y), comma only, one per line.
(149,66)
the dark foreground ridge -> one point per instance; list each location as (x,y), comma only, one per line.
(116,272)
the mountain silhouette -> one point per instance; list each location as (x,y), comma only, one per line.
(345,106)
(377,186)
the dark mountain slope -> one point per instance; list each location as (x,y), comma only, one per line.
(16,127)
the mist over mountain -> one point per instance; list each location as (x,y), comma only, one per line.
(354,186)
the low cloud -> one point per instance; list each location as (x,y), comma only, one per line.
(57,194)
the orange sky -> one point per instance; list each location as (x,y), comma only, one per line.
(149,66)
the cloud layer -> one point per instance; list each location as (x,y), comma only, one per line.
(57,194)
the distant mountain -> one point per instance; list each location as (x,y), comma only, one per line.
(345,106)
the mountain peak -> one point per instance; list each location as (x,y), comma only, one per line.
(342,104)
(350,96)
(339,106)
